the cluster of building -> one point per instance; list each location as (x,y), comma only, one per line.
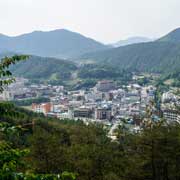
(16,90)
(170,106)
(104,102)
(21,89)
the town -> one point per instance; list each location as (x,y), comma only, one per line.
(105,103)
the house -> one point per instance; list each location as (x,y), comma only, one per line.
(44,108)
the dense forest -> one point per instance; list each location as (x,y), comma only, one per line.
(175,76)
(160,56)
(61,72)
(144,57)
(33,146)
(44,68)
(99,71)
(28,102)
(51,146)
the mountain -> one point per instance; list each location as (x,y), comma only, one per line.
(159,56)
(41,68)
(58,43)
(173,37)
(131,40)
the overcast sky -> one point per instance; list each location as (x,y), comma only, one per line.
(104,20)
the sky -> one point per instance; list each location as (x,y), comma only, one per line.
(103,20)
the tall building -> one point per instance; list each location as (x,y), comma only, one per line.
(83,112)
(171,115)
(105,86)
(103,113)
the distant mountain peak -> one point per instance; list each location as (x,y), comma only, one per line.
(132,40)
(173,36)
(158,56)
(60,43)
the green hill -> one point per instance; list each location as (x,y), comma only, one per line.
(56,71)
(33,146)
(173,37)
(159,56)
(44,68)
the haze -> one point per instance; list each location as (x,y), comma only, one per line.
(104,20)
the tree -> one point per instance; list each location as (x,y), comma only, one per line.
(5,75)
(12,162)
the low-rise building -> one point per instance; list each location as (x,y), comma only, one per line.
(44,108)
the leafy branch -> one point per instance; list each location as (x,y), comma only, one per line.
(5,75)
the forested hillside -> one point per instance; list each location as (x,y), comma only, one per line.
(36,147)
(56,146)
(144,57)
(41,68)
(162,55)
(173,37)
(57,71)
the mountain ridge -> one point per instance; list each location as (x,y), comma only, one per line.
(59,43)
(131,40)
(43,68)
(157,56)
(173,36)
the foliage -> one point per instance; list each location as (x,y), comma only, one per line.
(143,81)
(175,76)
(36,147)
(10,160)
(58,146)
(44,68)
(29,102)
(13,163)
(5,74)
(56,71)
(85,84)
(144,57)
(101,71)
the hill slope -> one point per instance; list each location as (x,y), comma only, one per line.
(157,56)
(44,68)
(173,37)
(58,43)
